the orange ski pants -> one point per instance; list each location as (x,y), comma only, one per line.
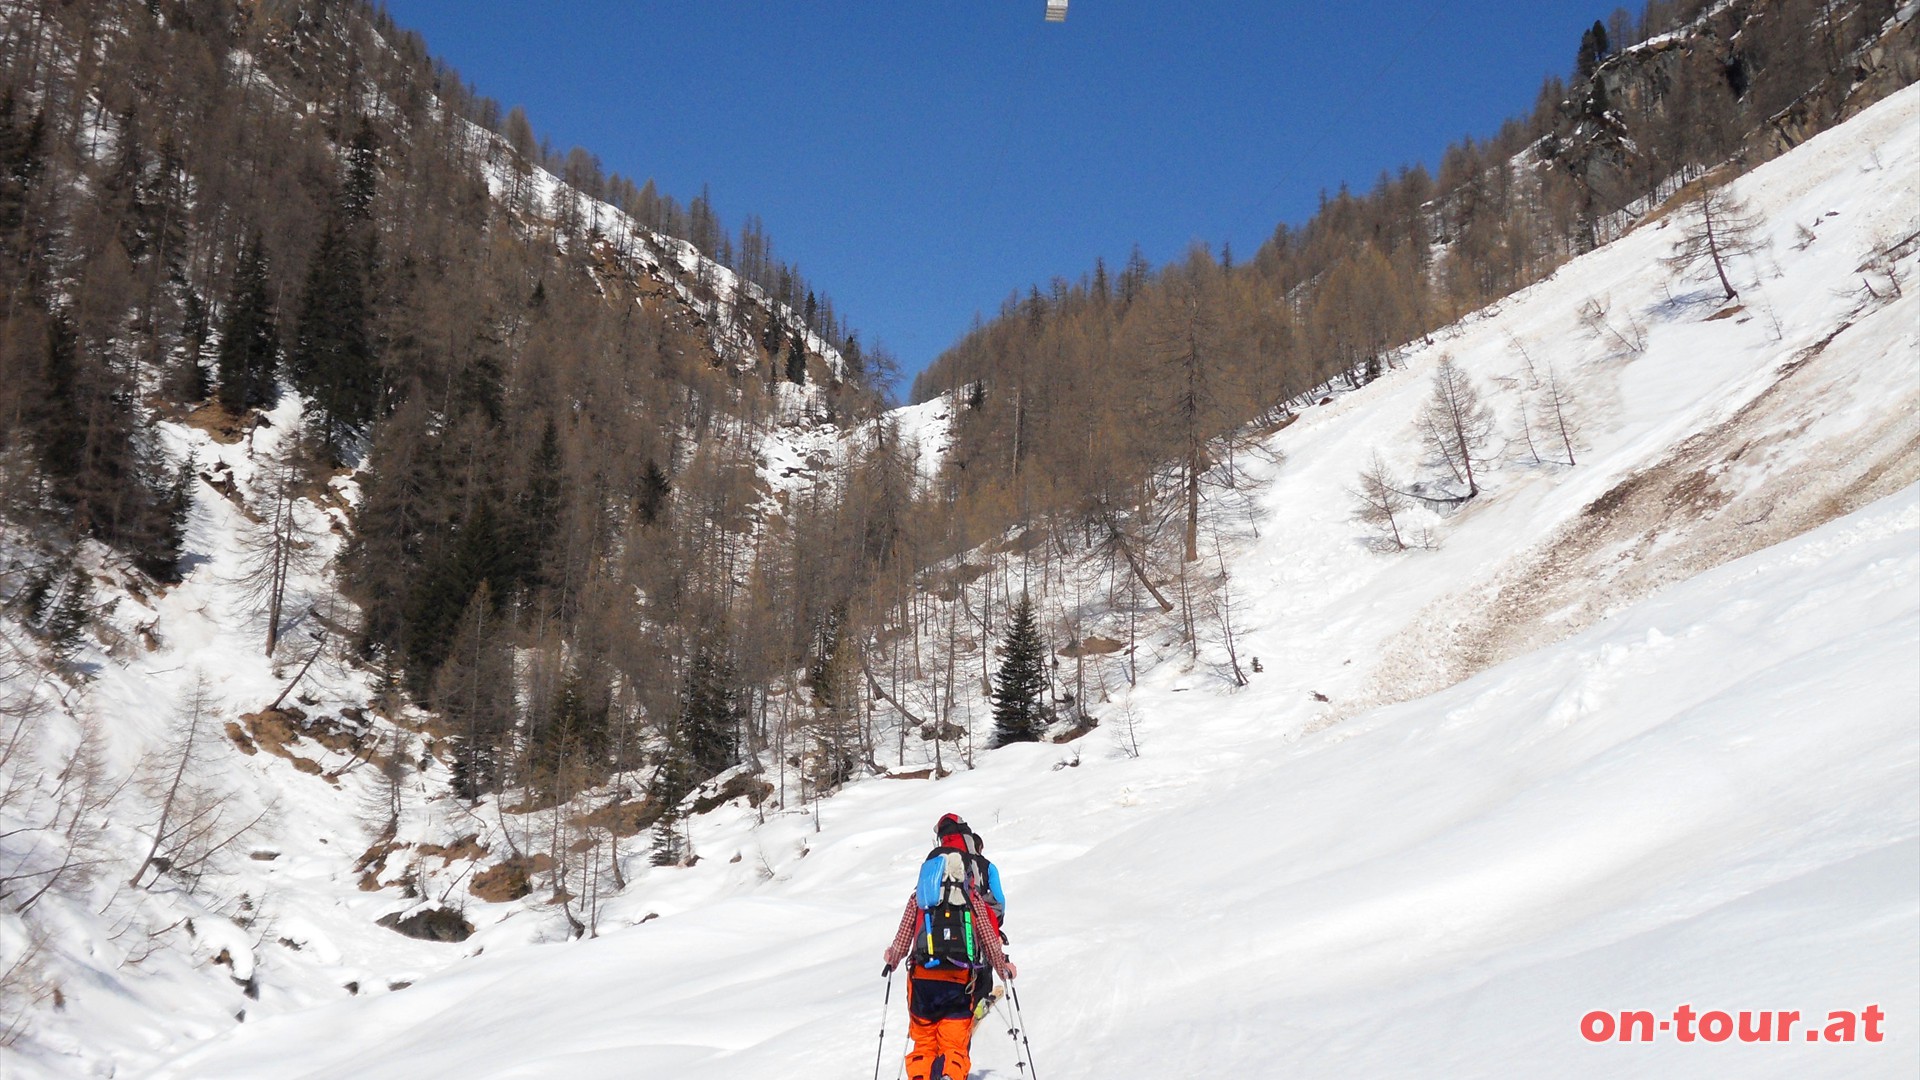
(942,1041)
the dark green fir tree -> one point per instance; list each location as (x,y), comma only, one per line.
(710,714)
(1020,711)
(655,489)
(796,361)
(332,356)
(249,354)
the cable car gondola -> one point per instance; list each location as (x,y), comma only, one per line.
(1056,10)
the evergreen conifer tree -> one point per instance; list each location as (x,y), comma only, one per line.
(162,560)
(1020,710)
(22,152)
(709,717)
(68,615)
(332,356)
(539,511)
(1594,47)
(477,554)
(823,672)
(63,441)
(249,340)
(668,847)
(654,490)
(771,337)
(190,379)
(796,362)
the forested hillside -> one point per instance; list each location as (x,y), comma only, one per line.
(543,397)
(1660,106)
(311,351)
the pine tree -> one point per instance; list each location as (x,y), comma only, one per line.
(771,337)
(1020,711)
(249,354)
(190,378)
(363,174)
(655,489)
(539,511)
(332,356)
(474,693)
(1594,48)
(709,712)
(668,847)
(63,442)
(177,507)
(856,360)
(70,614)
(476,554)
(823,675)
(796,361)
(22,157)
(671,783)
(576,736)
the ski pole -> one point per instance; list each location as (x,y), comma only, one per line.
(1014,992)
(1013,1032)
(884,1008)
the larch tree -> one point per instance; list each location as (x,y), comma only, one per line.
(1457,425)
(1720,229)
(1379,502)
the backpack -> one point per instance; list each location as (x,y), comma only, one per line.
(946,938)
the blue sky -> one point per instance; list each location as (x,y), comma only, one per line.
(920,159)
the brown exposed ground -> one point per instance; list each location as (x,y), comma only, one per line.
(1755,480)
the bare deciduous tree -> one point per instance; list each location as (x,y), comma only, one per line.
(1223,609)
(1722,228)
(1126,730)
(273,550)
(50,819)
(194,822)
(1380,502)
(1553,403)
(1456,424)
(1597,316)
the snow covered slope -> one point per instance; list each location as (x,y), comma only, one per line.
(1643,732)
(1707,800)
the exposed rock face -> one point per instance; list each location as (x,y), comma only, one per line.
(1743,68)
(1889,64)
(430,924)
(751,788)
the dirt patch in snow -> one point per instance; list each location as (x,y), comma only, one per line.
(467,847)
(1758,478)
(274,730)
(509,879)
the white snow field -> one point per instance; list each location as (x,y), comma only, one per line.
(1643,732)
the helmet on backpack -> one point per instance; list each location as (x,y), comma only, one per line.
(946,936)
(950,825)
